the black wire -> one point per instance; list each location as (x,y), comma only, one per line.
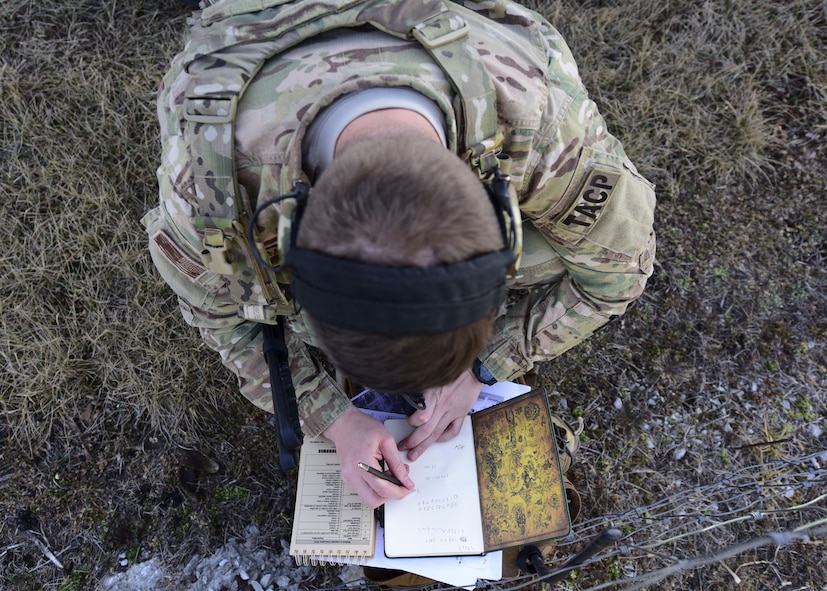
(299,193)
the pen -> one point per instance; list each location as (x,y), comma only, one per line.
(380,474)
(415,401)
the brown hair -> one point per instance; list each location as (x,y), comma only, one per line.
(400,202)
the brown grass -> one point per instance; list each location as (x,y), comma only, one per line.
(723,104)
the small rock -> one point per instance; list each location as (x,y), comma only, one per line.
(283,582)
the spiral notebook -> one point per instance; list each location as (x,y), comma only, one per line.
(330,521)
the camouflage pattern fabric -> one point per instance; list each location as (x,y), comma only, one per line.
(587,213)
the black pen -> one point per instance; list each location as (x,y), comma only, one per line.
(380,474)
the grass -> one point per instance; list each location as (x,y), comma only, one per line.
(723,104)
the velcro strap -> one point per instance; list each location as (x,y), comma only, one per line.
(260,314)
(440,29)
(212,110)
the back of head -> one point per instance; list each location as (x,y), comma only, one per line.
(404,202)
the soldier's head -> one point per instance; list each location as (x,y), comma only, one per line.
(413,206)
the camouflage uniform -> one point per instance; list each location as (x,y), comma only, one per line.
(587,213)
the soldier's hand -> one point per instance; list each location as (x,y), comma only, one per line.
(445,409)
(360,438)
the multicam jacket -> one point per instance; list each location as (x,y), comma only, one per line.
(587,214)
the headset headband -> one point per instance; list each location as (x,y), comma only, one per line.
(399,301)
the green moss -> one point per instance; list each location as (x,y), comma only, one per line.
(230,492)
(132,554)
(805,408)
(603,465)
(575,575)
(75,581)
(614,569)
(721,273)
(183,527)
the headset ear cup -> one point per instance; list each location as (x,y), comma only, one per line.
(285,228)
(504,198)
(300,193)
(289,216)
(516,224)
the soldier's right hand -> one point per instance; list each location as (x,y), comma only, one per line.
(360,438)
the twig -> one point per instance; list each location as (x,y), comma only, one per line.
(762,443)
(45,550)
(7,548)
(735,577)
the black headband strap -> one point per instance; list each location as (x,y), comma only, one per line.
(398,301)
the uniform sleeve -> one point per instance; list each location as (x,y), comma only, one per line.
(206,304)
(594,213)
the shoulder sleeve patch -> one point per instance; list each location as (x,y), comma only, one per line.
(177,257)
(590,203)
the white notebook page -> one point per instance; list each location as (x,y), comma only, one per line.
(441,516)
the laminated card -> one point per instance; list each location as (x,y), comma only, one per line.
(330,521)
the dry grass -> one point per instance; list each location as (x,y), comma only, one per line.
(724,104)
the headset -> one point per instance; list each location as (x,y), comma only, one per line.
(395,301)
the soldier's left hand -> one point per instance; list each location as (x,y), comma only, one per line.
(445,409)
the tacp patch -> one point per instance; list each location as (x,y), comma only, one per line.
(590,203)
(178,257)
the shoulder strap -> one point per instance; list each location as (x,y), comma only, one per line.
(232,40)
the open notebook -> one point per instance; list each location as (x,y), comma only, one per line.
(496,485)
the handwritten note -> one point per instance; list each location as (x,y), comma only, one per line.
(441,516)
